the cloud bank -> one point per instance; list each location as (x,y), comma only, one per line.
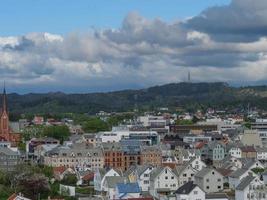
(227,43)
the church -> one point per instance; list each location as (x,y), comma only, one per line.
(6,133)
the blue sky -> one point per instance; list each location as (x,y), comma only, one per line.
(18,17)
(106,45)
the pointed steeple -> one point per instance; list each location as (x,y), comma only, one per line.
(4,108)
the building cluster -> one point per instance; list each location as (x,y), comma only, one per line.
(154,157)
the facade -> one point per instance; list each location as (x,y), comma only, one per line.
(214,151)
(163,181)
(131,153)
(113,155)
(8,159)
(248,152)
(151,155)
(78,156)
(185,173)
(261,126)
(210,180)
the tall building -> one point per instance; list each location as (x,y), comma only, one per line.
(5,131)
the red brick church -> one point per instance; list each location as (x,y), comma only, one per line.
(6,133)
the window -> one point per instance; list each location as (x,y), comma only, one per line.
(166,177)
(146,175)
(219,187)
(213,173)
(219,180)
(195,192)
(207,180)
(172,177)
(184,175)
(208,187)
(146,182)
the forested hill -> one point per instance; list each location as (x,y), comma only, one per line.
(186,95)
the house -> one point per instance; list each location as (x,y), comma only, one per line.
(214,151)
(151,155)
(169,161)
(252,164)
(248,152)
(196,163)
(251,138)
(210,180)
(141,175)
(250,187)
(60,172)
(127,191)
(79,156)
(184,173)
(110,184)
(100,176)
(163,181)
(113,155)
(261,154)
(9,159)
(190,191)
(236,176)
(85,178)
(234,151)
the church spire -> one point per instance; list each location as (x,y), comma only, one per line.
(4,99)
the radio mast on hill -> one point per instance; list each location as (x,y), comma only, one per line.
(189,77)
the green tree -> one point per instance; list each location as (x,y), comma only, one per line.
(94,125)
(69,179)
(61,132)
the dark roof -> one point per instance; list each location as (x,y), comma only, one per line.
(186,188)
(248,149)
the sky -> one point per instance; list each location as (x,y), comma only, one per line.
(97,45)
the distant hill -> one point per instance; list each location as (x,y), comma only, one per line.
(186,95)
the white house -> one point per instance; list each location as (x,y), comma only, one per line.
(250,188)
(235,152)
(197,164)
(210,180)
(190,191)
(261,153)
(163,181)
(184,173)
(100,176)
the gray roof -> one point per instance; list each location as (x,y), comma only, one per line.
(113,180)
(245,182)
(156,172)
(76,150)
(180,168)
(7,151)
(112,146)
(202,173)
(238,173)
